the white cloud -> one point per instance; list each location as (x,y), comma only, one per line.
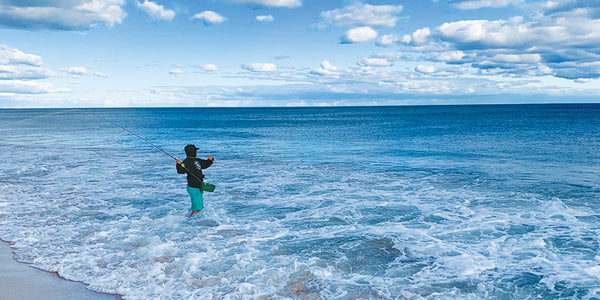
(25,87)
(270,3)
(260,67)
(83,71)
(156,11)
(476,4)
(388,40)
(391,56)
(176,71)
(23,72)
(376,62)
(559,39)
(362,15)
(425,69)
(577,30)
(209,17)
(208,67)
(450,56)
(77,71)
(20,73)
(518,58)
(267,18)
(489,34)
(358,35)
(327,69)
(14,56)
(61,15)
(583,80)
(418,38)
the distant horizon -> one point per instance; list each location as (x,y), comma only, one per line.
(278,107)
(262,53)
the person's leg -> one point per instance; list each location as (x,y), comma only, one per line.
(196,199)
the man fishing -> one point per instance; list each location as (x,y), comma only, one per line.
(192,166)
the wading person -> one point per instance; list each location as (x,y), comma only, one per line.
(192,166)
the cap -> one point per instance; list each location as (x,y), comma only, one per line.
(190,150)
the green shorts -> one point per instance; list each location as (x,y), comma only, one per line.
(196,197)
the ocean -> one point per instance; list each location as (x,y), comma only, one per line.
(416,202)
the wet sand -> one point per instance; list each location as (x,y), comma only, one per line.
(21,281)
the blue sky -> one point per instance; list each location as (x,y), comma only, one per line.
(106,53)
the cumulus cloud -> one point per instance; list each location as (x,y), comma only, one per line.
(358,35)
(360,14)
(260,67)
(418,38)
(20,73)
(561,40)
(10,72)
(14,56)
(156,11)
(61,15)
(208,67)
(270,3)
(391,56)
(556,7)
(425,69)
(209,17)
(449,57)
(493,34)
(576,31)
(25,87)
(431,70)
(476,4)
(327,69)
(582,80)
(267,18)
(376,62)
(76,71)
(83,71)
(518,58)
(388,40)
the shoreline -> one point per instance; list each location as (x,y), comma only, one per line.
(21,281)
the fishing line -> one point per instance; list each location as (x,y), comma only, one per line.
(40,116)
(143,139)
(97,116)
(111,122)
(132,133)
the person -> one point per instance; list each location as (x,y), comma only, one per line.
(192,166)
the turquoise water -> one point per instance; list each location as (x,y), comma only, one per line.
(470,202)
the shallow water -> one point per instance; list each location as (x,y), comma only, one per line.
(335,203)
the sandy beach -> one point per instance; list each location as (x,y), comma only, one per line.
(21,281)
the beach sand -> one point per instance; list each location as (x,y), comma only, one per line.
(21,281)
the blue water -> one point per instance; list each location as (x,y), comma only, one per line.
(440,202)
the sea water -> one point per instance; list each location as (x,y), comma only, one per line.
(438,202)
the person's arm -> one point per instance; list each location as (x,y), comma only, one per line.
(180,168)
(205,163)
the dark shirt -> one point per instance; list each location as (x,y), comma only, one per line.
(193,169)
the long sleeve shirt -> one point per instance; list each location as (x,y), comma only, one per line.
(192,166)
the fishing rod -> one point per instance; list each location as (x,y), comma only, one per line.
(116,124)
(145,140)
(111,122)
(131,132)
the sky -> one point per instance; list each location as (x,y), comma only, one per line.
(232,53)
